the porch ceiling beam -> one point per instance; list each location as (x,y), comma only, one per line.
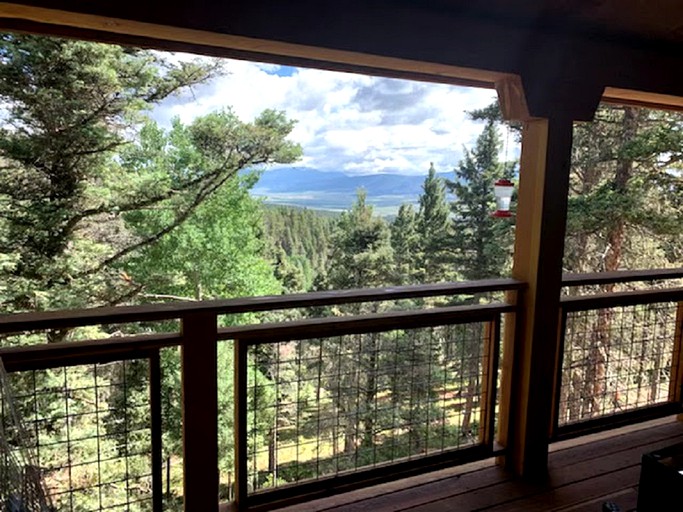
(433,39)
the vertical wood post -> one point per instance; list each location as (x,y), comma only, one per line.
(539,250)
(241,404)
(676,382)
(156,430)
(200,412)
(557,383)
(506,367)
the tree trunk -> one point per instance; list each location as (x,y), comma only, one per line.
(272,451)
(370,392)
(600,348)
(473,370)
(349,437)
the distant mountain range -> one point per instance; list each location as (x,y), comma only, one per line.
(302,186)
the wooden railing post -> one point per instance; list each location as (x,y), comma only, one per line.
(156,429)
(240,428)
(676,382)
(200,412)
(507,363)
(557,381)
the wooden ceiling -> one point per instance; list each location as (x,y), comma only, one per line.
(564,51)
(657,20)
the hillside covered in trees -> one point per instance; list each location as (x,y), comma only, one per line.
(100,205)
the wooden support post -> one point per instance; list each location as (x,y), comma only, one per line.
(676,382)
(200,412)
(539,247)
(506,366)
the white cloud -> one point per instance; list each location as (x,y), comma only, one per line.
(354,123)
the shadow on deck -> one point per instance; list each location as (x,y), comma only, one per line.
(584,472)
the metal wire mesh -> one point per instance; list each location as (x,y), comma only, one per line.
(89,430)
(616,360)
(21,486)
(325,406)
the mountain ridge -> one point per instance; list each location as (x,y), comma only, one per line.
(335,190)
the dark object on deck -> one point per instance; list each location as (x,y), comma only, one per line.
(610,506)
(661,478)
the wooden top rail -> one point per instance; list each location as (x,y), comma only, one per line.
(621,276)
(377,322)
(55,355)
(611,300)
(21,322)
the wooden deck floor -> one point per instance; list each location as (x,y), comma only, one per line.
(584,472)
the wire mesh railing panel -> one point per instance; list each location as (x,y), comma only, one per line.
(616,360)
(88,429)
(333,405)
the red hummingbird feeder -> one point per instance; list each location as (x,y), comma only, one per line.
(503,190)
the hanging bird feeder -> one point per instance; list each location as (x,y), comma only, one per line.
(503,190)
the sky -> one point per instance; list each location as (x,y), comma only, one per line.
(345,122)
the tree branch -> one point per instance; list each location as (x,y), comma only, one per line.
(164,296)
(180,218)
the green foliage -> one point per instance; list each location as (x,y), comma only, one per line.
(70,107)
(81,162)
(361,253)
(433,226)
(406,240)
(625,195)
(298,241)
(481,244)
(217,253)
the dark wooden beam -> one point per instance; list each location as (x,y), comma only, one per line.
(378,322)
(463,35)
(621,276)
(621,299)
(676,382)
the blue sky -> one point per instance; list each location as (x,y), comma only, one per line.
(345,122)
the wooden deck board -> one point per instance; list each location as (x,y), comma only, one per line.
(584,472)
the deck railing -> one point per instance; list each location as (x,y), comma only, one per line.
(325,404)
(96,442)
(391,416)
(620,351)
(362,399)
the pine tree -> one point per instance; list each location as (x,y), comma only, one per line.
(433,220)
(361,254)
(80,156)
(481,244)
(625,192)
(405,242)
